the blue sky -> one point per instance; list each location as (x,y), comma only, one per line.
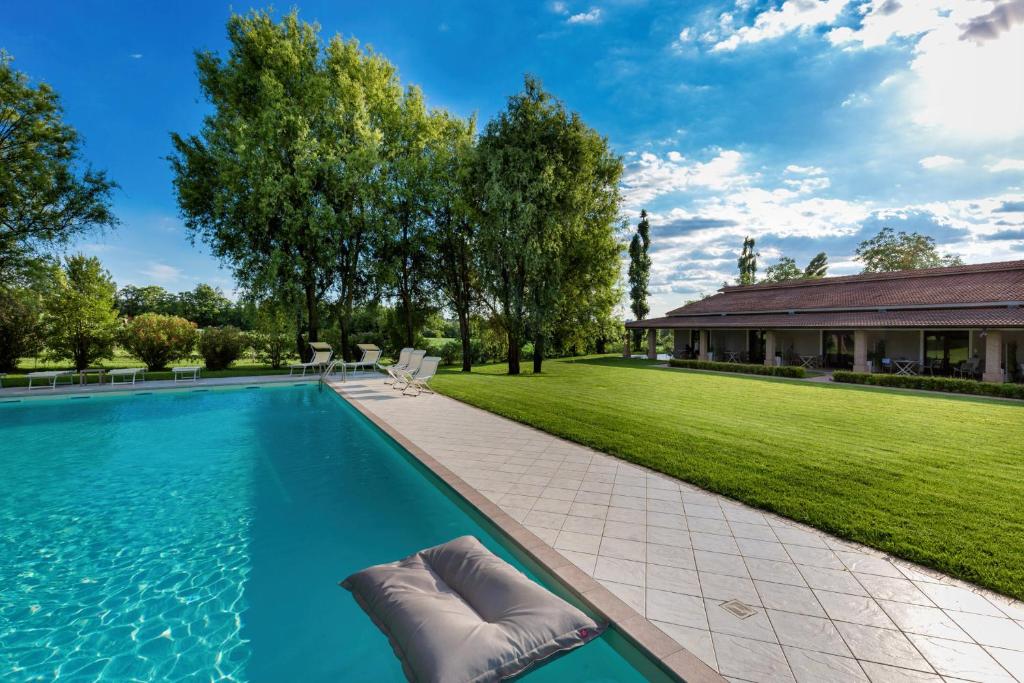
(808,124)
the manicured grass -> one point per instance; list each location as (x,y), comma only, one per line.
(937,480)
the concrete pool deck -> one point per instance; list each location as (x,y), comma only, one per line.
(703,582)
(64,390)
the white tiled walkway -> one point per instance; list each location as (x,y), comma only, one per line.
(804,605)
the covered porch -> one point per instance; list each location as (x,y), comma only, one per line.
(990,355)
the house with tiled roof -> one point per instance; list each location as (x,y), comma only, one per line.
(960,320)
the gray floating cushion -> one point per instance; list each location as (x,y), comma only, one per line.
(457,612)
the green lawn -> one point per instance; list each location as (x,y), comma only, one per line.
(937,480)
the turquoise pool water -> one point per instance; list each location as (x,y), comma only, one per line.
(202,534)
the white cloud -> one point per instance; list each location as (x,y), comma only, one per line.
(559,8)
(591,17)
(651,176)
(1006,165)
(939,161)
(805,170)
(798,16)
(162,273)
(856,99)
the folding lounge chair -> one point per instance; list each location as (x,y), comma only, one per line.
(322,353)
(401,364)
(412,363)
(367,363)
(402,377)
(128,374)
(418,382)
(51,377)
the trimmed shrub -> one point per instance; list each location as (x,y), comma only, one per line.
(743,368)
(157,339)
(947,384)
(221,346)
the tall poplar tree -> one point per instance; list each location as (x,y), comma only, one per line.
(747,263)
(639,272)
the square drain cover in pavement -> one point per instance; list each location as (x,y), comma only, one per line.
(739,609)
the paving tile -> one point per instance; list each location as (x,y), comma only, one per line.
(756,627)
(995,631)
(670,556)
(634,596)
(583,525)
(883,646)
(960,660)
(723,588)
(757,532)
(616,514)
(596,486)
(751,660)
(627,490)
(582,543)
(810,633)
(629,572)
(548,520)
(813,667)
(719,563)
(743,515)
(869,564)
(854,609)
(585,561)
(1011,660)
(706,511)
(889,588)
(665,536)
(882,673)
(589,510)
(789,598)
(794,536)
(831,580)
(714,542)
(927,621)
(627,550)
(519,501)
(814,557)
(663,494)
(674,579)
(676,608)
(593,498)
(666,520)
(547,535)
(558,493)
(629,502)
(696,640)
(669,506)
(776,572)
(764,550)
(711,526)
(551,505)
(518,514)
(958,598)
(625,530)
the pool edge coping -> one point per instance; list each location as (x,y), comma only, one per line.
(661,648)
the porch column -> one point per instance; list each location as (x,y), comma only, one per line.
(769,347)
(627,352)
(703,355)
(993,357)
(860,351)
(652,344)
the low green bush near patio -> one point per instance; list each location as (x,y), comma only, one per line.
(948,384)
(745,368)
(934,479)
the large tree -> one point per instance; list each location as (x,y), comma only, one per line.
(786,269)
(80,317)
(817,267)
(747,263)
(890,250)
(453,258)
(639,272)
(276,180)
(47,194)
(547,185)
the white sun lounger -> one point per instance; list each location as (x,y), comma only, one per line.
(367,363)
(322,353)
(401,364)
(402,376)
(186,373)
(51,377)
(418,382)
(128,375)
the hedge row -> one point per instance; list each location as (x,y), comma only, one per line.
(745,368)
(948,384)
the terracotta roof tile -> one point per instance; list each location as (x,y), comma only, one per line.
(914,318)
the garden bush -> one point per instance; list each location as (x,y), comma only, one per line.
(221,346)
(157,339)
(19,326)
(947,384)
(745,368)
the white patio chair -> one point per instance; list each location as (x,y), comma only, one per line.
(418,383)
(126,373)
(51,377)
(367,363)
(186,373)
(401,364)
(402,377)
(322,353)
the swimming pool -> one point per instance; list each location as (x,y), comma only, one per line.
(181,533)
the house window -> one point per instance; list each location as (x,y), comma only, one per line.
(947,348)
(838,349)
